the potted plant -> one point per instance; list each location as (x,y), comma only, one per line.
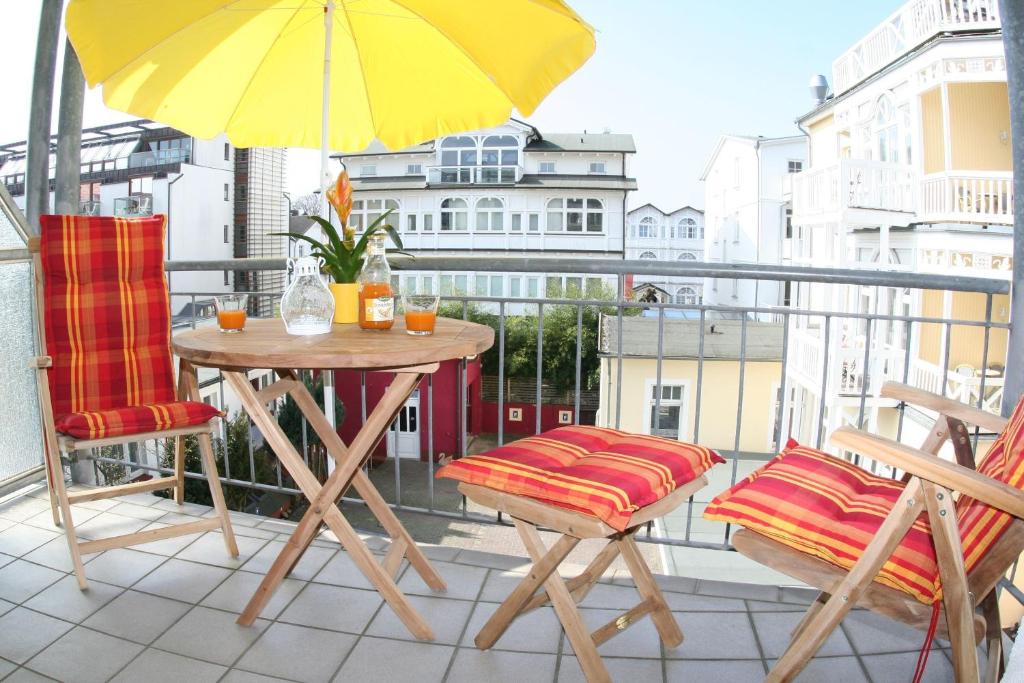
(343,255)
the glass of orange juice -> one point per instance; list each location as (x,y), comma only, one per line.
(231,312)
(420,313)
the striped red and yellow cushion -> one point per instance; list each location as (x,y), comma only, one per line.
(602,472)
(831,509)
(981,525)
(151,417)
(106,312)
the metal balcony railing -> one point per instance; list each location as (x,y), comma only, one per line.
(912,24)
(474,175)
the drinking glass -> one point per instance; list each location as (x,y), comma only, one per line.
(231,312)
(420,313)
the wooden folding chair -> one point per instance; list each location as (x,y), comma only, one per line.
(971,540)
(559,466)
(105,376)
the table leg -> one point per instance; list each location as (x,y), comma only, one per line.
(362,484)
(323,500)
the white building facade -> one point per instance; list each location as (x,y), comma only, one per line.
(746,212)
(910,170)
(508,191)
(654,235)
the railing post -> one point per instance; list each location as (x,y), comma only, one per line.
(1012,12)
(68,175)
(37,175)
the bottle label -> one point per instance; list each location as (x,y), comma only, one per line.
(380,309)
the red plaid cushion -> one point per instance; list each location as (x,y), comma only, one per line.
(831,509)
(106,313)
(603,472)
(980,525)
(151,417)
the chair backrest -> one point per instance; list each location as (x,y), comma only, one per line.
(982,526)
(106,312)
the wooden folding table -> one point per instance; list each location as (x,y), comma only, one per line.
(265,344)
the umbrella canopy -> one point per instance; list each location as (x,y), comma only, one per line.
(330,73)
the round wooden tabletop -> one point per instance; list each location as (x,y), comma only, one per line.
(265,344)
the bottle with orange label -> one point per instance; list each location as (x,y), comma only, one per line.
(376,297)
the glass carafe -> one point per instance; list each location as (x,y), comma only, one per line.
(307,306)
(376,296)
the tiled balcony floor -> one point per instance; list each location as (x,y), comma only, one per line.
(167,610)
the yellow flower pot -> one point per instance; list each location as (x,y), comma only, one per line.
(346,301)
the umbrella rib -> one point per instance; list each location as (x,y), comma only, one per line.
(260,65)
(362,73)
(154,46)
(461,48)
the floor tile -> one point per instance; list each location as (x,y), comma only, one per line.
(714,635)
(20,539)
(728,589)
(395,661)
(27,676)
(463,581)
(472,665)
(168,505)
(6,559)
(157,666)
(147,498)
(774,629)
(639,640)
(333,607)
(6,667)
(898,668)
(312,560)
(26,632)
(140,617)
(872,633)
(210,635)
(122,566)
(6,607)
(238,676)
(447,618)
(499,585)
(106,525)
(21,508)
(181,580)
(619,668)
(236,591)
(604,596)
(736,671)
(685,602)
(829,669)
(65,600)
(55,554)
(536,631)
(275,653)
(143,512)
(20,580)
(44,519)
(342,571)
(84,656)
(209,549)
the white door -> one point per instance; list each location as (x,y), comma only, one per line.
(404,435)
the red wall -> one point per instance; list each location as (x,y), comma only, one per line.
(446,382)
(528,425)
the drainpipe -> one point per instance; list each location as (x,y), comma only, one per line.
(68,176)
(1012,14)
(37,175)
(168,257)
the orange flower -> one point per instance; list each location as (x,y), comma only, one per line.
(340,196)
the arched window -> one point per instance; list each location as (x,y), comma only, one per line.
(575,215)
(366,211)
(458,151)
(648,256)
(689,230)
(886,129)
(490,214)
(687,296)
(454,215)
(687,256)
(647,228)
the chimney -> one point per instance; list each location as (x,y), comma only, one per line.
(819,88)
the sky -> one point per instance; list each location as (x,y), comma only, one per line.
(676,74)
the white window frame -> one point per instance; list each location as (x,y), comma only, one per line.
(684,404)
(368,170)
(648,255)
(598,167)
(564,211)
(546,167)
(489,218)
(414,169)
(693,290)
(410,222)
(647,222)
(454,213)
(363,214)
(794,165)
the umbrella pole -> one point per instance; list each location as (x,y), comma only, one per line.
(325,179)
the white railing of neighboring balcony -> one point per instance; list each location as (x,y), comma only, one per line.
(972,197)
(853,184)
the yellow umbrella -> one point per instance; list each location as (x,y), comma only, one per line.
(333,74)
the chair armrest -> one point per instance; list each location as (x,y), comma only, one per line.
(41,362)
(946,406)
(921,464)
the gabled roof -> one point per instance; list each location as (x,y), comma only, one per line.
(583,142)
(748,140)
(663,213)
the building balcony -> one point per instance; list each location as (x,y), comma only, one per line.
(134,206)
(854,191)
(474,175)
(912,24)
(977,197)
